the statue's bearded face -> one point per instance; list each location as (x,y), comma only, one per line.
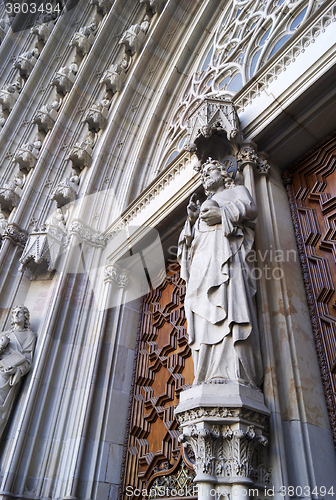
(211,176)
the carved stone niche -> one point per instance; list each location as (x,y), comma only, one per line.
(226,427)
(25,62)
(103,6)
(65,78)
(153,5)
(65,191)
(43,247)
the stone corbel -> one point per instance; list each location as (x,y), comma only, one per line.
(103,6)
(96,115)
(82,43)
(45,119)
(3,29)
(153,5)
(65,191)
(113,274)
(226,426)
(133,38)
(65,78)
(43,248)
(9,197)
(25,62)
(15,234)
(87,234)
(42,31)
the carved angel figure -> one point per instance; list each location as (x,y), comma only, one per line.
(213,246)
(16,355)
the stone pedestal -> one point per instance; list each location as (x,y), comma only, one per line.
(225,428)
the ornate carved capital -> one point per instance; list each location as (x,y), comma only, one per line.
(211,115)
(113,274)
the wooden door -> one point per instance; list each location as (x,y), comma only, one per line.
(311,188)
(164,367)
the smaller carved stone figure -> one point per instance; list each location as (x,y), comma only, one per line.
(16,355)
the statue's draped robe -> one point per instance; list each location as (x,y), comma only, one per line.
(21,341)
(222,328)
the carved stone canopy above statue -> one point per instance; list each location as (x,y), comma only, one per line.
(213,129)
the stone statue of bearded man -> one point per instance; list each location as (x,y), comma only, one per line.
(213,247)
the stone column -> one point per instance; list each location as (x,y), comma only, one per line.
(226,427)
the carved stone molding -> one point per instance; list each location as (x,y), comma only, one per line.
(114,77)
(65,78)
(87,234)
(26,156)
(113,274)
(9,94)
(15,234)
(103,6)
(228,453)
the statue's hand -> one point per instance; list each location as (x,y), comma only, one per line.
(211,216)
(193,208)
